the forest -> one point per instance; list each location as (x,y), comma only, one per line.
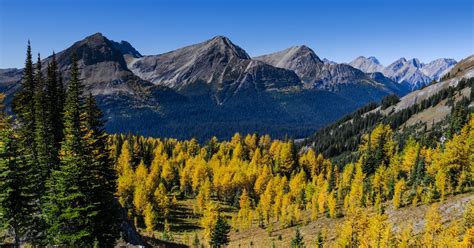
(64,181)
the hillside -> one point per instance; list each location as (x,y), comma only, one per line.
(452,211)
(428,107)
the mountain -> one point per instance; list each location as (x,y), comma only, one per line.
(370,64)
(340,78)
(213,88)
(411,73)
(437,68)
(407,72)
(216,66)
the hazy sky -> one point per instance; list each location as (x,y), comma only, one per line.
(335,29)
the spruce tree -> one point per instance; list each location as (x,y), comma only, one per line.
(70,210)
(14,198)
(42,141)
(20,157)
(55,102)
(23,105)
(12,192)
(220,233)
(43,132)
(297,241)
(104,175)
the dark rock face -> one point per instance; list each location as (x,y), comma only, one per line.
(126,49)
(213,88)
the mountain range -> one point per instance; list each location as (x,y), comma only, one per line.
(411,73)
(216,88)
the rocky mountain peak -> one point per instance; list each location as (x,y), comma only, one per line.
(95,39)
(92,50)
(223,45)
(368,65)
(300,59)
(374,60)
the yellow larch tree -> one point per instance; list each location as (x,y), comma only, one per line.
(378,233)
(209,219)
(140,195)
(433,226)
(204,196)
(332,204)
(398,193)
(245,209)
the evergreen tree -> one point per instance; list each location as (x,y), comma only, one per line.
(24,108)
(220,233)
(71,210)
(320,240)
(297,241)
(54,105)
(104,177)
(43,150)
(15,209)
(43,138)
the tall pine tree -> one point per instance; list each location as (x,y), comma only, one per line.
(43,139)
(70,210)
(104,175)
(19,159)
(13,194)
(23,105)
(55,104)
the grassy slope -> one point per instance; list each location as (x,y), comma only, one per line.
(184,224)
(452,209)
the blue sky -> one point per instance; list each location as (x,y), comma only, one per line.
(336,29)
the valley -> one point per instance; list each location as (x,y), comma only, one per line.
(206,146)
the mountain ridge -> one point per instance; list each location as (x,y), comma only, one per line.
(411,72)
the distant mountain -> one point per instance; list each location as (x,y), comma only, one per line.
(339,78)
(411,73)
(437,68)
(370,64)
(214,88)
